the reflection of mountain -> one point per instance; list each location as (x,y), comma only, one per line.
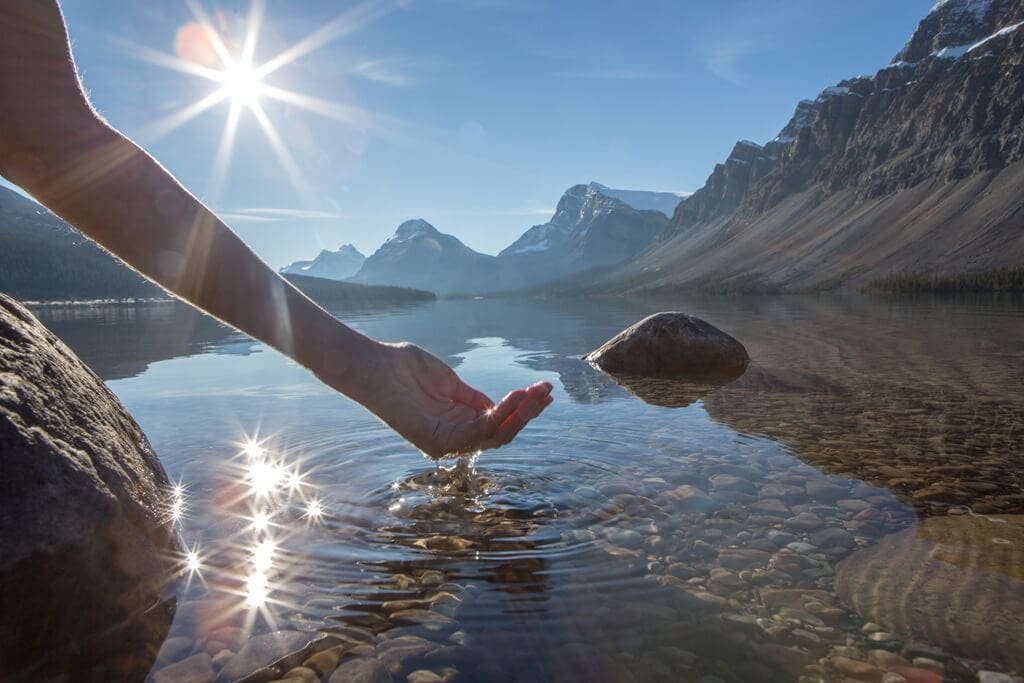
(119,341)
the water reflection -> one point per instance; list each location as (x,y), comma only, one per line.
(616,539)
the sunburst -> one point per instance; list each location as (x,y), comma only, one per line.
(242,85)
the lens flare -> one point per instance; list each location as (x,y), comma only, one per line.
(253,450)
(256,590)
(263,556)
(260,520)
(192,562)
(266,477)
(314,510)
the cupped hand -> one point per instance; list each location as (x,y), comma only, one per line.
(424,400)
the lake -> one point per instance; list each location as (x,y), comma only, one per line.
(850,506)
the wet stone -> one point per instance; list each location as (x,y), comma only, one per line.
(824,490)
(195,669)
(221,658)
(831,537)
(996,677)
(301,674)
(772,507)
(263,650)
(805,521)
(361,670)
(781,538)
(862,671)
(174,649)
(741,558)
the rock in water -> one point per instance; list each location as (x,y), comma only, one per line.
(671,344)
(86,542)
(954,581)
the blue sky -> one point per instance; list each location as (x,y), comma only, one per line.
(473,114)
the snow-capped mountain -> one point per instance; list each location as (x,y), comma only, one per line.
(953,27)
(332,265)
(420,256)
(589,229)
(643,200)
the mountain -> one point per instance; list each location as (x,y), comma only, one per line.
(590,229)
(43,258)
(643,200)
(916,169)
(421,257)
(333,265)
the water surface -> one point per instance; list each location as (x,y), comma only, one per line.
(637,531)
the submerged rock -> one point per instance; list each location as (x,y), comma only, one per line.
(954,581)
(671,344)
(86,541)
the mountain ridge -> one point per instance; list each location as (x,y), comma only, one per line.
(917,168)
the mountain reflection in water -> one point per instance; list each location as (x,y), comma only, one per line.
(698,531)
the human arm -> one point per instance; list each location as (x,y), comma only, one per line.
(55,146)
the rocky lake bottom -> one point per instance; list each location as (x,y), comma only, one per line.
(849,509)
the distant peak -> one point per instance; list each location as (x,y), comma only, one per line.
(349,249)
(414,227)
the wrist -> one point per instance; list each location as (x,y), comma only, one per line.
(347,361)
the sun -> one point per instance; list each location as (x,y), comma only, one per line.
(242,84)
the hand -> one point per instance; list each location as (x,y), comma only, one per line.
(422,399)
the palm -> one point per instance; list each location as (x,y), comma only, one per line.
(424,400)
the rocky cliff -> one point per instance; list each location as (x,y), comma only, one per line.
(917,168)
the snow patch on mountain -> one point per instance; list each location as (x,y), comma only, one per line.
(643,200)
(958,51)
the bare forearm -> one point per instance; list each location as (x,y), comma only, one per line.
(122,198)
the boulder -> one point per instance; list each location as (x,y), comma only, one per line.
(955,581)
(86,542)
(674,345)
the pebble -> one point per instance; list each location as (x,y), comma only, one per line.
(431,577)
(781,538)
(221,658)
(985,676)
(855,668)
(805,521)
(361,670)
(886,659)
(801,547)
(302,674)
(195,669)
(325,661)
(174,649)
(893,677)
(424,676)
(917,675)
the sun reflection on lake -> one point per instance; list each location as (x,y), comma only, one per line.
(270,493)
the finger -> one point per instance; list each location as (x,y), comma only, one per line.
(471,397)
(479,432)
(526,411)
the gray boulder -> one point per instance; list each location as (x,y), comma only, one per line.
(954,581)
(86,542)
(671,344)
